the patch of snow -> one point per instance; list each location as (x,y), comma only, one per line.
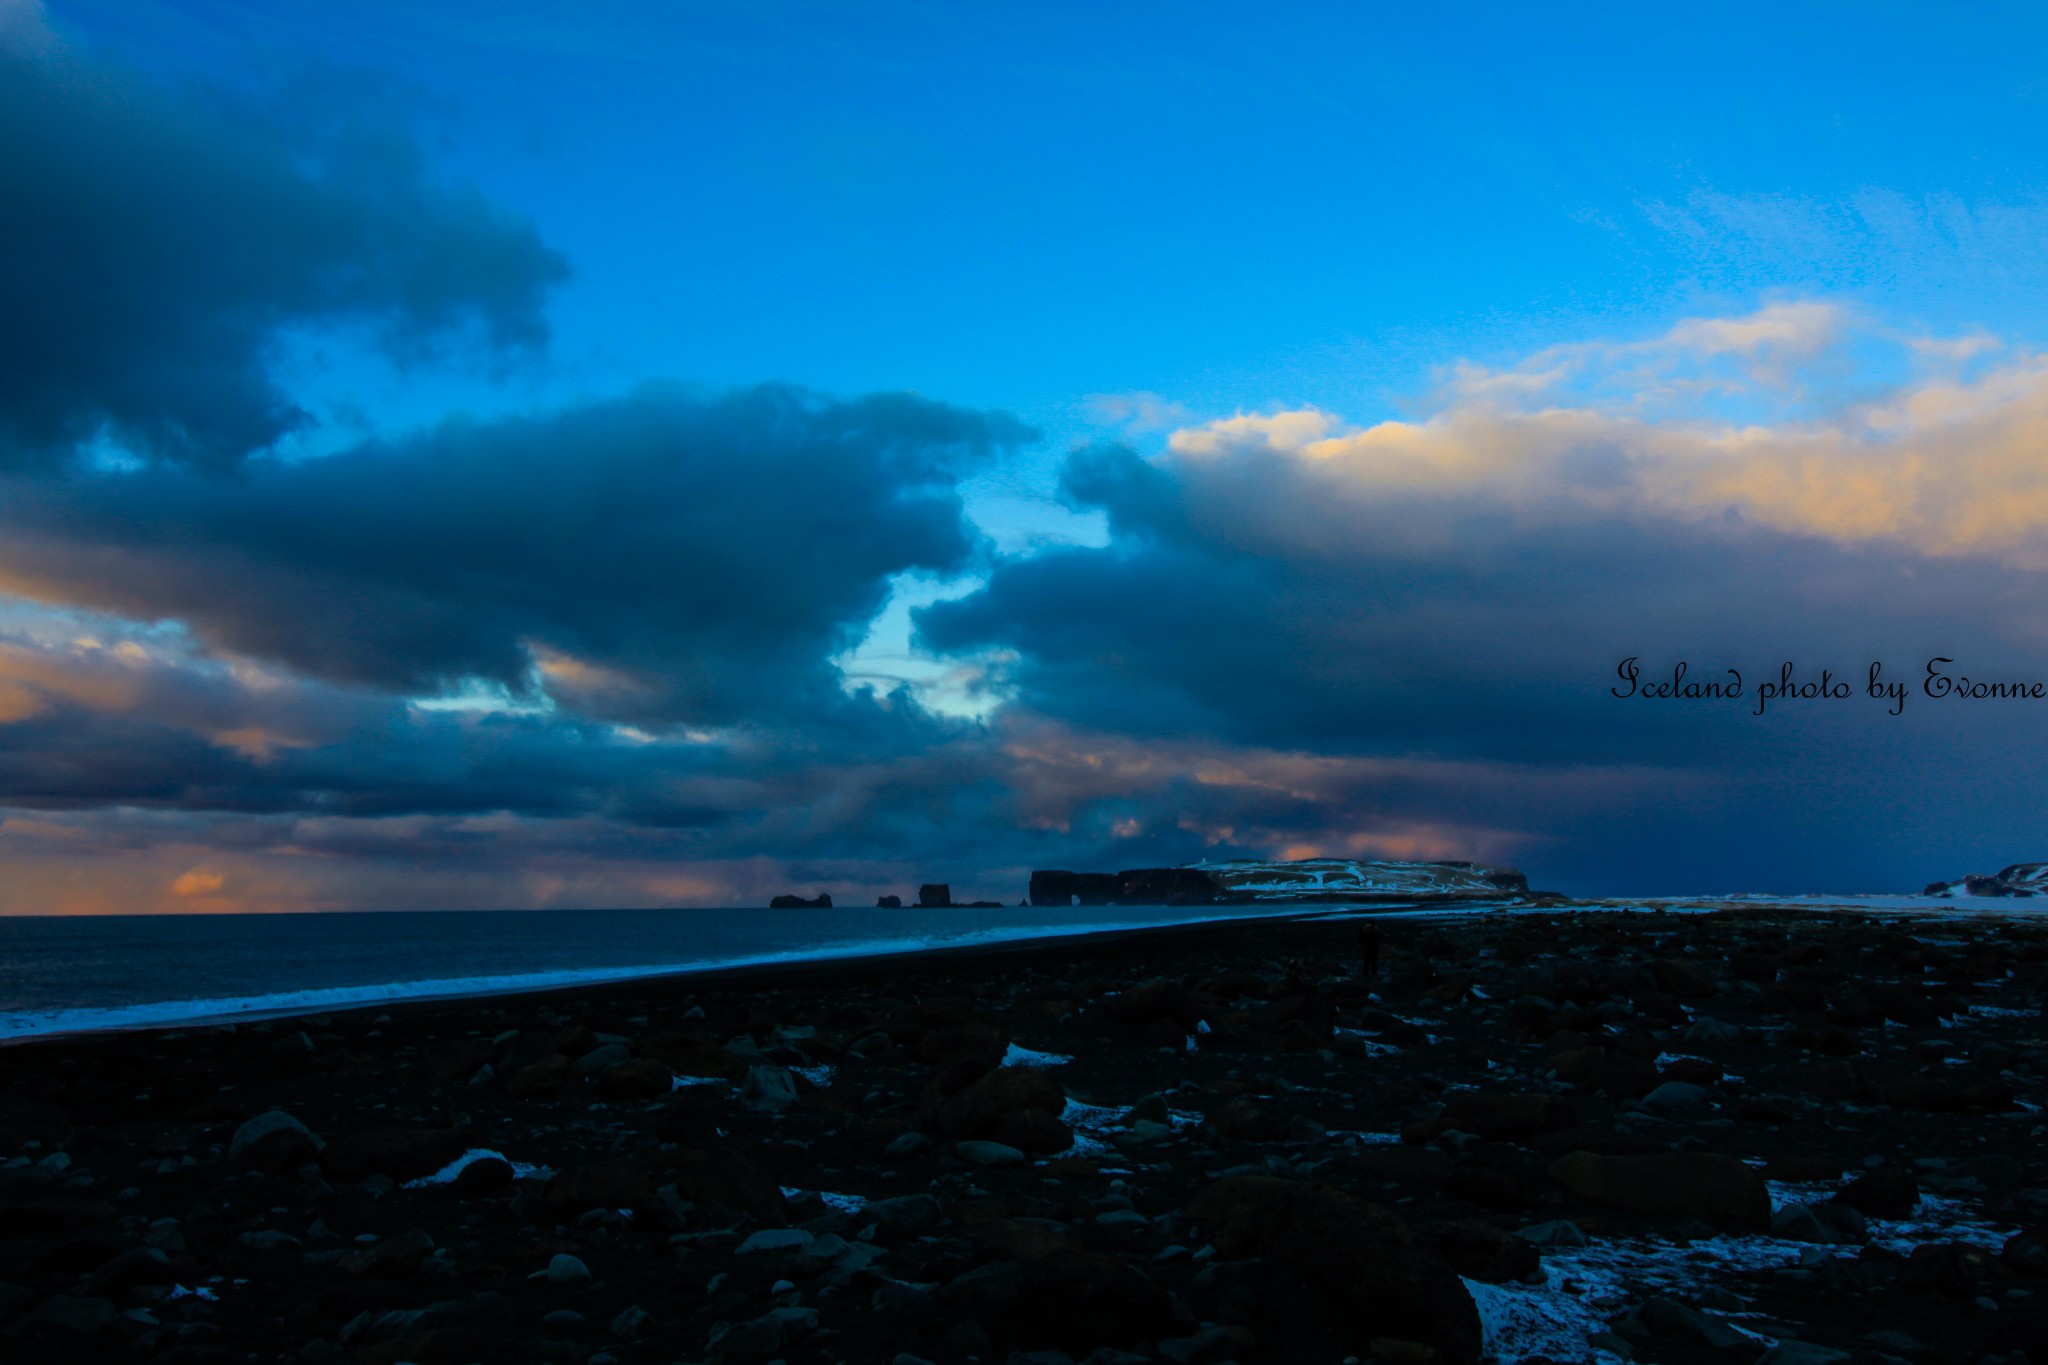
(1518,1322)
(1586,1285)
(1024,1056)
(446,1175)
(1373,1047)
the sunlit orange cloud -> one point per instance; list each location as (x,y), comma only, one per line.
(564,673)
(89,864)
(197,883)
(1329,800)
(32,680)
(1946,463)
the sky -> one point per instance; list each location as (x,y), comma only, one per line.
(641,454)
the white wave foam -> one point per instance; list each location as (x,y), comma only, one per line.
(233,1009)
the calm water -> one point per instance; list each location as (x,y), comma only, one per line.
(117,971)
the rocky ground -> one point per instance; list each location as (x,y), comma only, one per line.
(1726,1136)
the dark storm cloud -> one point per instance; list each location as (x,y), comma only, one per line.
(1244,598)
(155,245)
(660,557)
(1247,597)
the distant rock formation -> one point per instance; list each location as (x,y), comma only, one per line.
(2021,879)
(1347,879)
(823,902)
(1306,881)
(888,902)
(1072,888)
(935,896)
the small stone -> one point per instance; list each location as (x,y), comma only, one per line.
(562,1317)
(85,1316)
(603,1058)
(567,1269)
(1152,1107)
(1887,1191)
(1680,1097)
(1799,1223)
(1705,1030)
(769,1089)
(631,1323)
(907,1145)
(1800,1353)
(983,1153)
(274,1141)
(776,1239)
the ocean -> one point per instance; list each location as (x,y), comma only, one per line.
(63,974)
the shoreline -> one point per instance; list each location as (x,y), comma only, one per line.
(533,985)
(712,975)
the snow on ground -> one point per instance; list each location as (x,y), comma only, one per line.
(1351,876)
(1373,1048)
(446,1175)
(1024,1056)
(1094,1125)
(1586,1286)
(842,1203)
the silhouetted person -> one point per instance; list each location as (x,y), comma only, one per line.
(1369,950)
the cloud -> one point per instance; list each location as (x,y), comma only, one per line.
(157,245)
(197,883)
(662,557)
(1870,238)
(588,657)
(1461,586)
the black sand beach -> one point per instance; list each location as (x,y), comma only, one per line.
(1725,1136)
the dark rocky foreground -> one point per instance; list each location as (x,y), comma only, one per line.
(1729,1137)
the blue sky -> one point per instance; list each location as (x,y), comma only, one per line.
(1228,206)
(1620,275)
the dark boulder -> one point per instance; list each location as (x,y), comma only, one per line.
(598,1185)
(1509,1118)
(1887,1192)
(1153,1000)
(1705,1185)
(976,1110)
(642,1078)
(725,1178)
(1087,1299)
(1359,1257)
(401,1153)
